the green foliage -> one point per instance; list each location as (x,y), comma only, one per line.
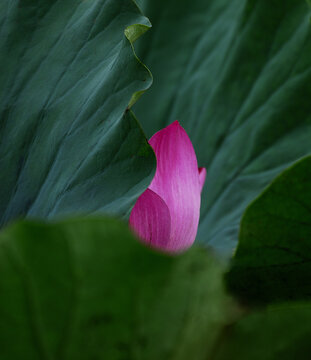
(237,75)
(281,333)
(86,289)
(273,260)
(67,143)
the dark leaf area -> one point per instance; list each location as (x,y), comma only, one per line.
(273,261)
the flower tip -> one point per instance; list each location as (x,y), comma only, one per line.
(175,124)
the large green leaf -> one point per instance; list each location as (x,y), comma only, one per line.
(67,142)
(273,260)
(86,289)
(237,75)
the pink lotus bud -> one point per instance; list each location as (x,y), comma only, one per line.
(166,215)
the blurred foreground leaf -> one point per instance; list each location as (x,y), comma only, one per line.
(281,333)
(86,289)
(273,259)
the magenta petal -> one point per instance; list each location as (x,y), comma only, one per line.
(202,176)
(150,219)
(177,182)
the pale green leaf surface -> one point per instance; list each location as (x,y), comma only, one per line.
(67,142)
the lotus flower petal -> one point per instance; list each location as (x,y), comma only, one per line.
(150,219)
(172,201)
